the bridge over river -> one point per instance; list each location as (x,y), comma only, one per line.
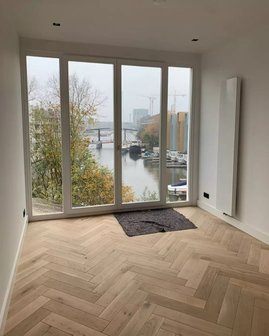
(104,135)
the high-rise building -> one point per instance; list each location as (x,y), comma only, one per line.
(177,131)
(139,114)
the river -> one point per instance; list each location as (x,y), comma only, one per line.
(137,172)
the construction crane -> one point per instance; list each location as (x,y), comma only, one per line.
(151,103)
(153,97)
(175,95)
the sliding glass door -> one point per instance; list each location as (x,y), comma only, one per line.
(106,135)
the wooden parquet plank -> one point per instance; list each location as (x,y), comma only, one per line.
(139,319)
(262,303)
(198,323)
(125,314)
(174,295)
(248,276)
(216,297)
(75,302)
(260,322)
(20,293)
(226,238)
(35,265)
(152,326)
(28,279)
(174,250)
(27,324)
(71,280)
(171,283)
(244,249)
(111,278)
(244,315)
(69,271)
(25,312)
(120,300)
(182,258)
(229,306)
(264,264)
(85,294)
(182,329)
(254,255)
(148,262)
(168,276)
(104,273)
(163,332)
(39,329)
(64,262)
(193,271)
(236,241)
(204,289)
(176,305)
(250,285)
(76,315)
(115,289)
(163,244)
(70,327)
(26,299)
(73,257)
(55,332)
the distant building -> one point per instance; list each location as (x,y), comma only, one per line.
(177,131)
(138,115)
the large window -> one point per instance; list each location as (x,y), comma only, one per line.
(44,114)
(178,129)
(100,137)
(91,112)
(141,111)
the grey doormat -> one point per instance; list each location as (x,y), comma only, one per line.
(135,223)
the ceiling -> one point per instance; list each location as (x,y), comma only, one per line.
(140,23)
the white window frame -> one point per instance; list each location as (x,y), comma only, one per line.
(68,211)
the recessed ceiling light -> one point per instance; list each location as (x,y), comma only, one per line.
(195,40)
(56,24)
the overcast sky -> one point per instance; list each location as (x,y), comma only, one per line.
(138,84)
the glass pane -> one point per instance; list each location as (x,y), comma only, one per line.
(45,134)
(178,122)
(91,108)
(141,92)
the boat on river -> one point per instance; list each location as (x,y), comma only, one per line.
(175,164)
(179,188)
(177,156)
(135,147)
(124,149)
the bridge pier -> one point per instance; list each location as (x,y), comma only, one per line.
(125,135)
(99,145)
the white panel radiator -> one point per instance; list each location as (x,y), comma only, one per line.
(228,146)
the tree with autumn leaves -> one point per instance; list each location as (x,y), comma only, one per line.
(92,183)
(150,132)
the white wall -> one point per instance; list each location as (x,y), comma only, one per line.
(248,58)
(12,189)
(99,50)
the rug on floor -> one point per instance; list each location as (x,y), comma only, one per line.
(135,223)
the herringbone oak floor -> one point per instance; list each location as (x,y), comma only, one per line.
(86,277)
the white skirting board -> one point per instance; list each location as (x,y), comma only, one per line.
(260,235)
(4,308)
